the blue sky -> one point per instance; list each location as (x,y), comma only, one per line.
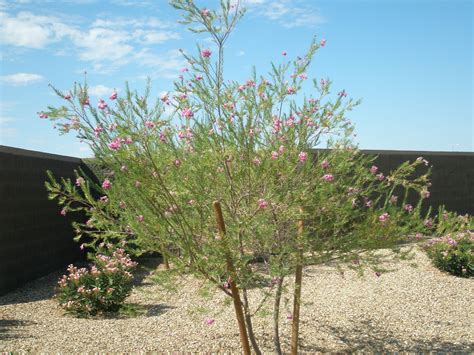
(409,61)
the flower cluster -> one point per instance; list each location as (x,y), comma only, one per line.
(453,253)
(100,288)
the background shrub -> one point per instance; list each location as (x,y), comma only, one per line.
(100,288)
(454,254)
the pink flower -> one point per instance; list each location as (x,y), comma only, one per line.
(67,97)
(82,246)
(113,96)
(149,124)
(106,184)
(325,164)
(98,130)
(378,274)
(104,199)
(393,199)
(262,203)
(206,53)
(283,53)
(302,157)
(289,316)
(428,223)
(281,149)
(323,42)
(328,177)
(140,218)
(408,207)
(380,177)
(274,155)
(115,144)
(291,90)
(177,163)
(210,321)
(368,203)
(425,194)
(205,12)
(384,217)
(79,181)
(128,140)
(422,160)
(290,122)
(63,212)
(342,93)
(303,76)
(256,161)
(187,113)
(102,105)
(199,77)
(374,169)
(164,97)
(42,115)
(112,127)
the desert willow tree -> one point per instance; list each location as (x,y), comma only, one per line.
(223,182)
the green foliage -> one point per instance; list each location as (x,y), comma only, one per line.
(100,288)
(453,254)
(250,146)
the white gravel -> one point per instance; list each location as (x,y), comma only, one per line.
(410,309)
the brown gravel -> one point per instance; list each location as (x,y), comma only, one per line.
(410,309)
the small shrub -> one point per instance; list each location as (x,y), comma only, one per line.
(100,288)
(454,254)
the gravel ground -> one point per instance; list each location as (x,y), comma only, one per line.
(410,309)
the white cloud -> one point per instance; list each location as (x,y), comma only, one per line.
(106,43)
(100,90)
(153,37)
(21,78)
(240,53)
(26,30)
(5,120)
(288,13)
(165,65)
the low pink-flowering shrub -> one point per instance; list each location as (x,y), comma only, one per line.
(100,288)
(453,253)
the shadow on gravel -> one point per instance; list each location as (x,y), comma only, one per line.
(365,336)
(37,290)
(11,328)
(132,310)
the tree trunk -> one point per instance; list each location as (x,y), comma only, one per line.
(276,316)
(248,321)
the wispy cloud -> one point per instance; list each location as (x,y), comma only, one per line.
(106,43)
(99,90)
(288,13)
(20,78)
(163,65)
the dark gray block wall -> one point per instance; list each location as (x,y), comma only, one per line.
(34,238)
(452,176)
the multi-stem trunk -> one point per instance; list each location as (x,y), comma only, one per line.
(297,292)
(248,321)
(276,316)
(233,287)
